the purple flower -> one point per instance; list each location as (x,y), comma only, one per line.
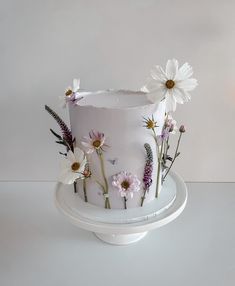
(164,136)
(148,175)
(126,183)
(148,170)
(66,132)
(170,123)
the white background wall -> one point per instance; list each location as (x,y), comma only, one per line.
(46,43)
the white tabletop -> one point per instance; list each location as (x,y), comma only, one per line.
(39,247)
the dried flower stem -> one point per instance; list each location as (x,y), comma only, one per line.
(75,187)
(166,150)
(107,204)
(99,183)
(159,168)
(143,197)
(175,156)
(125,200)
(106,188)
(84,190)
(154,132)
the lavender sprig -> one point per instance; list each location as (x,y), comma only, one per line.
(66,132)
(148,170)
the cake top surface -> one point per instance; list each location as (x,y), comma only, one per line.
(114,99)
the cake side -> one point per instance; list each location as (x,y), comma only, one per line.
(125,137)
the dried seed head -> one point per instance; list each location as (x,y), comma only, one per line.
(182,129)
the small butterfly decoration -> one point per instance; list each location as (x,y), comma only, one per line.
(113,161)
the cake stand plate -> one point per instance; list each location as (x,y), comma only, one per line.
(121,227)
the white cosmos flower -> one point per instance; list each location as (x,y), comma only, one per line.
(173,84)
(73,166)
(71,93)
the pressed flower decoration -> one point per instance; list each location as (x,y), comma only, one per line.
(72,94)
(73,166)
(150,123)
(170,124)
(86,174)
(163,136)
(66,139)
(148,170)
(173,84)
(126,184)
(96,142)
(176,154)
(162,148)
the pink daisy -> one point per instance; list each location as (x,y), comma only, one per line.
(95,142)
(126,183)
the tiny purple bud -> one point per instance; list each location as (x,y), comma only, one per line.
(182,129)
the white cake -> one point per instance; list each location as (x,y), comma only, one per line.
(116,152)
(119,116)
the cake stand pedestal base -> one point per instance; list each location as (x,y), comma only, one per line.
(122,227)
(121,239)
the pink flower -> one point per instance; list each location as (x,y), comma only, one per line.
(126,184)
(170,123)
(95,142)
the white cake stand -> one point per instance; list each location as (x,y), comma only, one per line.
(121,227)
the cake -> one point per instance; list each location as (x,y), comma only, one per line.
(117,146)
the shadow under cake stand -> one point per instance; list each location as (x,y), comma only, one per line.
(122,227)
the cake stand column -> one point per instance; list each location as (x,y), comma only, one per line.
(120,239)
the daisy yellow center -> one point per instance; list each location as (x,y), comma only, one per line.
(170,83)
(75,166)
(150,124)
(125,185)
(96,143)
(68,92)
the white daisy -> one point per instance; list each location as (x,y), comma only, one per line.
(173,84)
(71,93)
(73,166)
